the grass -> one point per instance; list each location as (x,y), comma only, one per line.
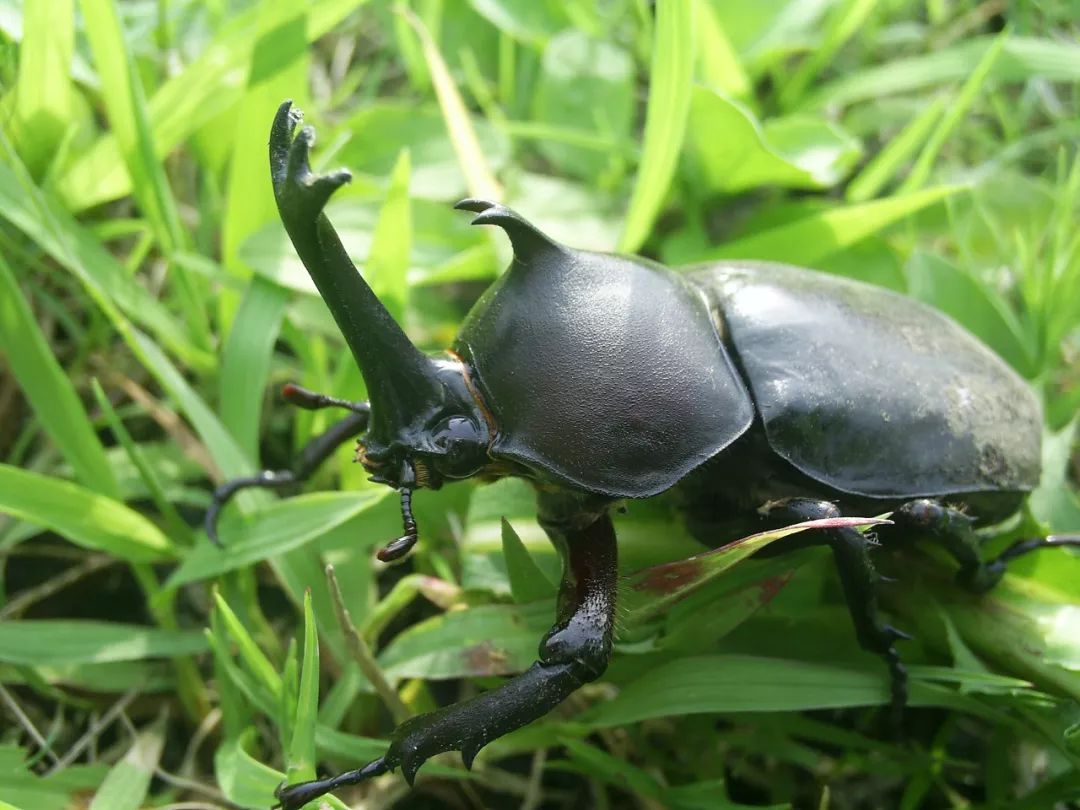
(150,308)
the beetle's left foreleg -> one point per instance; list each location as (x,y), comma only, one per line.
(575,651)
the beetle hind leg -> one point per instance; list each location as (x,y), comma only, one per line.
(858,579)
(575,651)
(956,531)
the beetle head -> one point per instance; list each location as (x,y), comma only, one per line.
(426,425)
(431,440)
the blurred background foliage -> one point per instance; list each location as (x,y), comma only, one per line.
(151,307)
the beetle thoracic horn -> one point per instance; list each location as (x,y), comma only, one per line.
(402,381)
(526,238)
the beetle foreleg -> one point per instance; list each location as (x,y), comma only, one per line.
(311,456)
(859,579)
(575,651)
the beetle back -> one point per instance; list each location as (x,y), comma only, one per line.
(871,392)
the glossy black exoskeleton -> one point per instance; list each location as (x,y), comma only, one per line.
(601,377)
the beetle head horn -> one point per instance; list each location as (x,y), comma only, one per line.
(527,239)
(403,383)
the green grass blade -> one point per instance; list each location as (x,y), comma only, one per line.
(122,94)
(128,782)
(954,114)
(391,245)
(246,361)
(253,658)
(527,582)
(245,781)
(844,21)
(44,642)
(652,591)
(176,525)
(301,755)
(794,152)
(52,396)
(1022,58)
(44,95)
(125,105)
(738,683)
(228,456)
(82,254)
(479,178)
(888,162)
(719,66)
(812,238)
(86,518)
(665,118)
(208,87)
(278,528)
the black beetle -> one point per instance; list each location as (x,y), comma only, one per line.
(601,377)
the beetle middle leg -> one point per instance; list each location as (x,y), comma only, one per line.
(859,580)
(957,533)
(313,454)
(574,652)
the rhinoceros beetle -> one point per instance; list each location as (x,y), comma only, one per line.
(601,377)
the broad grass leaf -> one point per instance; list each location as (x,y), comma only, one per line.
(64,642)
(243,779)
(44,92)
(280,527)
(671,80)
(486,640)
(1055,501)
(527,20)
(739,683)
(793,152)
(246,360)
(527,581)
(127,784)
(25,790)
(84,517)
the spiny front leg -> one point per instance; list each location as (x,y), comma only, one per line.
(575,651)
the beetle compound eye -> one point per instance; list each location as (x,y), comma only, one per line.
(461,447)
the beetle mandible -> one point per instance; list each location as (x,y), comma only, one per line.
(601,377)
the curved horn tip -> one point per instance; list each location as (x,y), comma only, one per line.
(475,205)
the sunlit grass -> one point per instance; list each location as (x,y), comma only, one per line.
(150,308)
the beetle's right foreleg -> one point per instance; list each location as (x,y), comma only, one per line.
(310,457)
(574,652)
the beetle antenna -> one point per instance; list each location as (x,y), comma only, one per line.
(527,239)
(396,549)
(313,401)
